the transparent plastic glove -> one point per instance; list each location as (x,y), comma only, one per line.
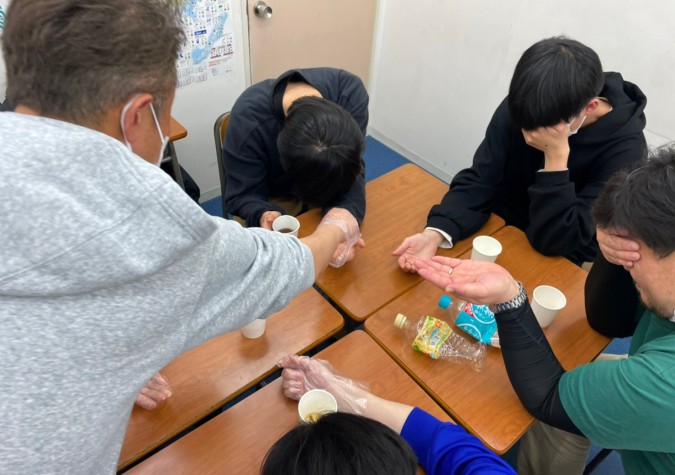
(301,374)
(350,227)
(154,393)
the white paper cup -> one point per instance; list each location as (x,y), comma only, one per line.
(547,301)
(255,329)
(315,403)
(286,224)
(485,248)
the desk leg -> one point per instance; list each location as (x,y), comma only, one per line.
(178,176)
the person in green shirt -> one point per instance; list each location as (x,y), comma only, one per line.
(623,404)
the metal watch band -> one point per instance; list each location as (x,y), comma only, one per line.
(516,302)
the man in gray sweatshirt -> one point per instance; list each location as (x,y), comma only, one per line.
(108,270)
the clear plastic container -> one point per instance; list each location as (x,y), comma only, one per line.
(437,339)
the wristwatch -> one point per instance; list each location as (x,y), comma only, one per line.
(516,302)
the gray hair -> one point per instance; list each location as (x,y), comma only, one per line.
(75,59)
(641,201)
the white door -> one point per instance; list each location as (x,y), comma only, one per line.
(287,34)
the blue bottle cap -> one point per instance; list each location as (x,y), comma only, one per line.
(444,302)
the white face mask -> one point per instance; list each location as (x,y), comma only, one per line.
(572,132)
(162,137)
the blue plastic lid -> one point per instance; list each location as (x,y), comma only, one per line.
(444,302)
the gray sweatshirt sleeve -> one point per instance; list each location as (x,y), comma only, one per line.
(247,274)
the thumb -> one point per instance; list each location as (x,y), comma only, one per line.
(290,361)
(401,248)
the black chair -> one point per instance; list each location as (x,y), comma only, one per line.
(219,130)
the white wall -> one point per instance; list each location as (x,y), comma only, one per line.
(197,107)
(441,67)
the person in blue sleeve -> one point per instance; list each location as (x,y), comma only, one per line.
(364,437)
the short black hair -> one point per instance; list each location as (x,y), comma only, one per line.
(641,201)
(340,444)
(321,148)
(553,81)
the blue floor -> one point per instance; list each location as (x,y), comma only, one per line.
(380,159)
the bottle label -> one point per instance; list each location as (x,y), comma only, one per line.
(432,335)
(478,321)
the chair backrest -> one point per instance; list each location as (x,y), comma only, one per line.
(219,130)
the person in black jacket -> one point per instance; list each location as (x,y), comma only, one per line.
(296,142)
(620,403)
(563,130)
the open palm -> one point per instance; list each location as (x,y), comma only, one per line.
(475,281)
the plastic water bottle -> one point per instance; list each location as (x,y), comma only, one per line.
(437,339)
(476,320)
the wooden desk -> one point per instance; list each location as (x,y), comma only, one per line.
(216,372)
(484,402)
(237,440)
(176,130)
(397,205)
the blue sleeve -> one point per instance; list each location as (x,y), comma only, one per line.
(443,448)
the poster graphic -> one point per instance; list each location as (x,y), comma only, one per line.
(208,50)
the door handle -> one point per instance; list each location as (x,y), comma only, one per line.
(262,10)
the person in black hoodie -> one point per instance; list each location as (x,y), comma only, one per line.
(297,142)
(551,145)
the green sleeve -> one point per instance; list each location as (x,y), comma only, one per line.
(625,404)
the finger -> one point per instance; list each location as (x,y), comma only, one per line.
(290,361)
(157,384)
(293,393)
(434,277)
(350,254)
(448,261)
(159,394)
(622,260)
(361,243)
(404,246)
(619,242)
(161,379)
(432,265)
(292,374)
(284,361)
(407,264)
(292,385)
(145,402)
(302,363)
(153,387)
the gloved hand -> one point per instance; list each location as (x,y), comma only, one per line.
(301,374)
(350,227)
(154,393)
